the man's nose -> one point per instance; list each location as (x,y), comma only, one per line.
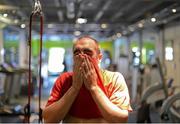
(81,52)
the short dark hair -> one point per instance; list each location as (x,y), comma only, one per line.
(88,37)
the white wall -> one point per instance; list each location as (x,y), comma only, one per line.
(173,67)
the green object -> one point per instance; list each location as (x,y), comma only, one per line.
(147,46)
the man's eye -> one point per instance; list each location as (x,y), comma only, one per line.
(76,52)
(87,52)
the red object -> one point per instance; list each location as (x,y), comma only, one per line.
(84,105)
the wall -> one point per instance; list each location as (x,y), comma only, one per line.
(173,67)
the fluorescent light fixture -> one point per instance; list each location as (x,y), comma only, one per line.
(81,20)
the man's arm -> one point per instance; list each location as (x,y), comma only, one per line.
(109,110)
(58,110)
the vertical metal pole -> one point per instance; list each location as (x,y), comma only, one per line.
(140,46)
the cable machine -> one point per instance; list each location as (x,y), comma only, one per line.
(36,12)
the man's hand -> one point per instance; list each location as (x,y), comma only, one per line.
(89,74)
(77,70)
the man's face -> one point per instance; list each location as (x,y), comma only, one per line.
(86,46)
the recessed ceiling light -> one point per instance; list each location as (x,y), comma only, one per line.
(81,20)
(174,10)
(23,25)
(103,26)
(77,33)
(153,19)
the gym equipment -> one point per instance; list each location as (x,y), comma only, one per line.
(37,11)
(145,106)
(154,88)
(144,110)
(168,112)
(8,71)
(11,81)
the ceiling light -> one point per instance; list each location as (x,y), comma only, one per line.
(140,25)
(103,26)
(174,10)
(23,25)
(5,15)
(153,19)
(77,33)
(81,20)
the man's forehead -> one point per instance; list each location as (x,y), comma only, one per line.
(85,40)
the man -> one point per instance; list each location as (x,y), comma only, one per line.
(88,94)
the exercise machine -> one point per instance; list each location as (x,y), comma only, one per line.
(7,107)
(37,11)
(170,111)
(159,91)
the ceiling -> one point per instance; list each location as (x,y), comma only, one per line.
(105,17)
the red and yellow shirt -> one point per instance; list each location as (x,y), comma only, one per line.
(114,86)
